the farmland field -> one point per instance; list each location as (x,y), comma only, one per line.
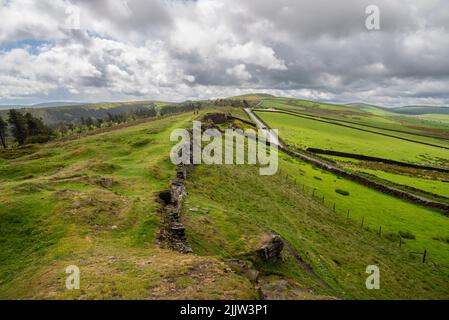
(372,116)
(305,133)
(392,214)
(377,210)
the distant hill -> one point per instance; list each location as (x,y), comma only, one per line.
(407,110)
(43,105)
(52,115)
(363,105)
(417,110)
(57,104)
(371,108)
(252,96)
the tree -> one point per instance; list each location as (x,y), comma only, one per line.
(19,127)
(37,131)
(99,123)
(62,128)
(3,131)
(35,126)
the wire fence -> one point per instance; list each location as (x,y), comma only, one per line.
(320,197)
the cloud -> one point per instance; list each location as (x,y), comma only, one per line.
(179,49)
(239,72)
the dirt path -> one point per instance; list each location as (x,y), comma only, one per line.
(271,137)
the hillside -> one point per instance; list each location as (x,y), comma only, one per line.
(53,115)
(418,110)
(93,202)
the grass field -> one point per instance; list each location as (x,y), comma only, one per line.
(430,185)
(442,119)
(242,206)
(93,202)
(373,127)
(377,209)
(306,133)
(362,115)
(55,213)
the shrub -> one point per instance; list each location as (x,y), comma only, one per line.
(317,178)
(342,192)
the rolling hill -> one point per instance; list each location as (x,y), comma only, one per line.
(95,202)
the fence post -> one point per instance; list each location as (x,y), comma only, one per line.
(334,207)
(363,221)
(400,241)
(323,199)
(313,192)
(424,256)
(347,216)
(380,231)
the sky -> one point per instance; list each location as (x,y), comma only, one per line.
(174,50)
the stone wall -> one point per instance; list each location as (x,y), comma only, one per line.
(374,159)
(172,232)
(370,183)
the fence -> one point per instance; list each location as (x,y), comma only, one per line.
(332,205)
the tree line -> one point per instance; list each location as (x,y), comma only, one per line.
(25,128)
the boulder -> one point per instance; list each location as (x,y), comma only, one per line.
(271,248)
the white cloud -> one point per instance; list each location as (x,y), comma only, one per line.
(239,72)
(137,49)
(252,53)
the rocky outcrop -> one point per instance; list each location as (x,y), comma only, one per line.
(271,248)
(216,118)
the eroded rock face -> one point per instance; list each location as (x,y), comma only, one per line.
(216,118)
(271,248)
